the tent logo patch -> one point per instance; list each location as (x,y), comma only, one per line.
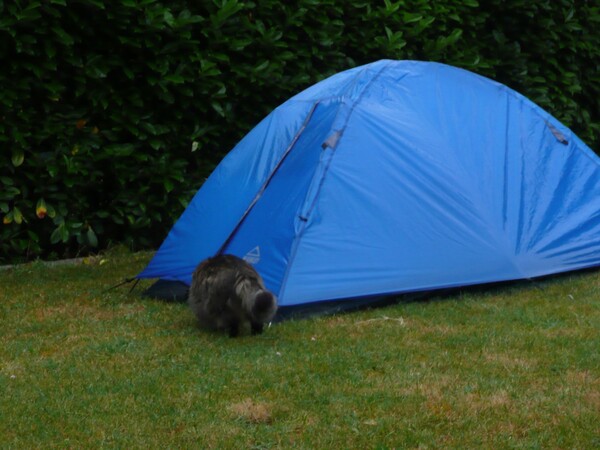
(253,256)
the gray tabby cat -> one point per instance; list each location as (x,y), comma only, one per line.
(227,292)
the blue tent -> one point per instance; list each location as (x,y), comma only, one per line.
(395,177)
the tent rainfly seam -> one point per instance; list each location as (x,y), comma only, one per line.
(319,178)
(269,178)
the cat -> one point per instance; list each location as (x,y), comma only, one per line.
(227,292)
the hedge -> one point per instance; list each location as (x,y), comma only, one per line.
(113,113)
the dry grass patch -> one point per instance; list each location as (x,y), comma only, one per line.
(477,402)
(252,412)
(510,362)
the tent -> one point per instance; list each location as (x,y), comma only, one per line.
(394,177)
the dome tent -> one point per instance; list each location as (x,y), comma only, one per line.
(394,177)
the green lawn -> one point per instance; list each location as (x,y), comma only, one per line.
(510,367)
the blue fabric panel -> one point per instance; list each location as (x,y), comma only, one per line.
(442,178)
(267,233)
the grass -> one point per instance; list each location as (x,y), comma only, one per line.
(510,367)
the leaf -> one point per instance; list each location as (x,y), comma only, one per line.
(168,18)
(51,212)
(570,14)
(455,36)
(424,23)
(65,38)
(18,156)
(444,42)
(156,144)
(91,237)
(218,108)
(64,234)
(129,73)
(409,18)
(9,193)
(390,7)
(175,79)
(55,237)
(262,66)
(8,218)
(228,9)
(17,215)
(41,210)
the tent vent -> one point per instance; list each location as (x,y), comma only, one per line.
(557,134)
(332,140)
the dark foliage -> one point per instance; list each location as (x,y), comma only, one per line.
(112,113)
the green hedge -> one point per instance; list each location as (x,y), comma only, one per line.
(112,113)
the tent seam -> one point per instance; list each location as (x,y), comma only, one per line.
(263,188)
(304,217)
